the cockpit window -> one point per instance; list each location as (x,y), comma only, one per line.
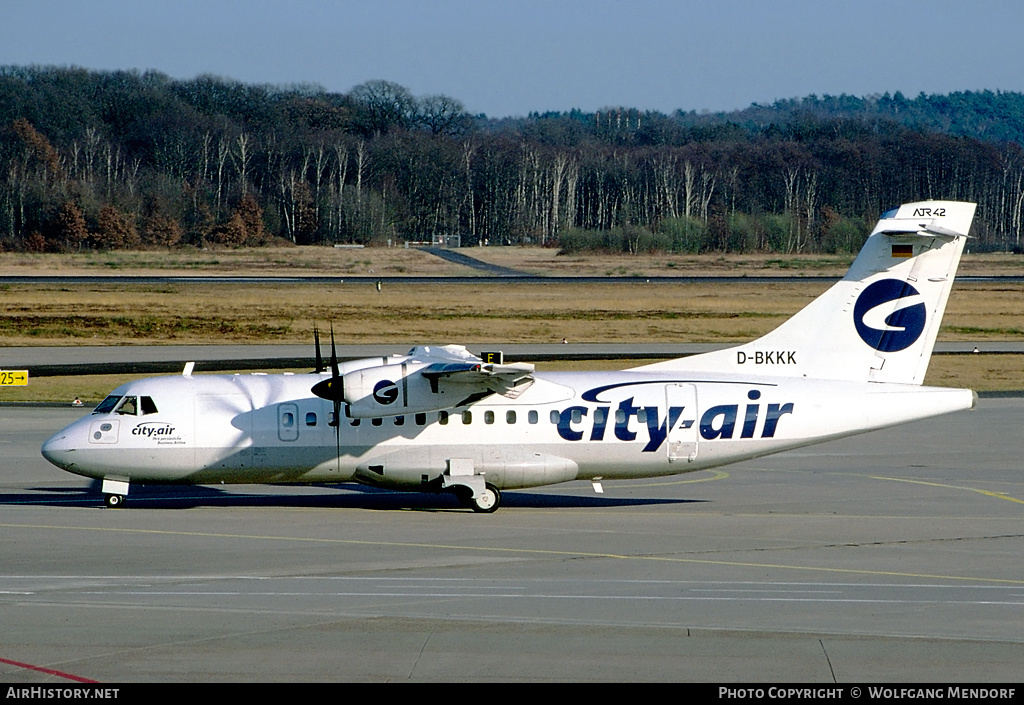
(129,406)
(107,404)
(147,405)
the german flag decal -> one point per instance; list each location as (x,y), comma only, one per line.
(902,251)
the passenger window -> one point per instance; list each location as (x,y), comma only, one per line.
(510,417)
(577,416)
(641,415)
(421,419)
(377,421)
(488,417)
(533,416)
(147,405)
(599,416)
(442,418)
(287,419)
(467,417)
(620,416)
(310,418)
(554,416)
(399,420)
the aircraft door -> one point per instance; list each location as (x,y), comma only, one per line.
(682,422)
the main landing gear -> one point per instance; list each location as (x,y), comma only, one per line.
(487,501)
(470,488)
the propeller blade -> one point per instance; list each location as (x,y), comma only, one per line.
(319,357)
(332,389)
(338,389)
(334,355)
(337,430)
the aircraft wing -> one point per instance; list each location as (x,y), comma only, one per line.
(507,380)
(429,378)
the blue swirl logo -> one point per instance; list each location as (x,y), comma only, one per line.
(890,315)
(385,392)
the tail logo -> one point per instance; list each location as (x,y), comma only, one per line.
(890,315)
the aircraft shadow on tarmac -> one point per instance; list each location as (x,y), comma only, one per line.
(349,497)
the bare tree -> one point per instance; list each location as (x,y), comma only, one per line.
(360,172)
(442,115)
(241,158)
(382,105)
(223,150)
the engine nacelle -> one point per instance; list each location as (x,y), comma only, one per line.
(422,381)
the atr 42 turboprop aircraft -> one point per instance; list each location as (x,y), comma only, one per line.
(443,419)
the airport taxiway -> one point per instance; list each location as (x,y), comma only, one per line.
(893,556)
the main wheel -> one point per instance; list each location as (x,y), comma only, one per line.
(487,501)
(114,501)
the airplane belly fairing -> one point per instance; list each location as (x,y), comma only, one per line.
(505,467)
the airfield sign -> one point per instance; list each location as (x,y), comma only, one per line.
(13,378)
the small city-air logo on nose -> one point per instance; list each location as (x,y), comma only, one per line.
(890,315)
(385,392)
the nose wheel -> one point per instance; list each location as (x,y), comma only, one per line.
(114,501)
(114,490)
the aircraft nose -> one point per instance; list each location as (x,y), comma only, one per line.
(59,450)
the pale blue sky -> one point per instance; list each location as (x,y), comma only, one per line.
(515,56)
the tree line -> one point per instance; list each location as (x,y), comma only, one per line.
(110,160)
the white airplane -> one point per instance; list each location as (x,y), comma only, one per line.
(443,419)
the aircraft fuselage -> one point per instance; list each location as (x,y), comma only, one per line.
(269,428)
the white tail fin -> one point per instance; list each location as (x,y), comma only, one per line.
(880,321)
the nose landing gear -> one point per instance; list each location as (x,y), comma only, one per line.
(114,501)
(114,492)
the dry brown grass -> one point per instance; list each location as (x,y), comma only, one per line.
(549,262)
(264,261)
(202,313)
(406,313)
(397,261)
